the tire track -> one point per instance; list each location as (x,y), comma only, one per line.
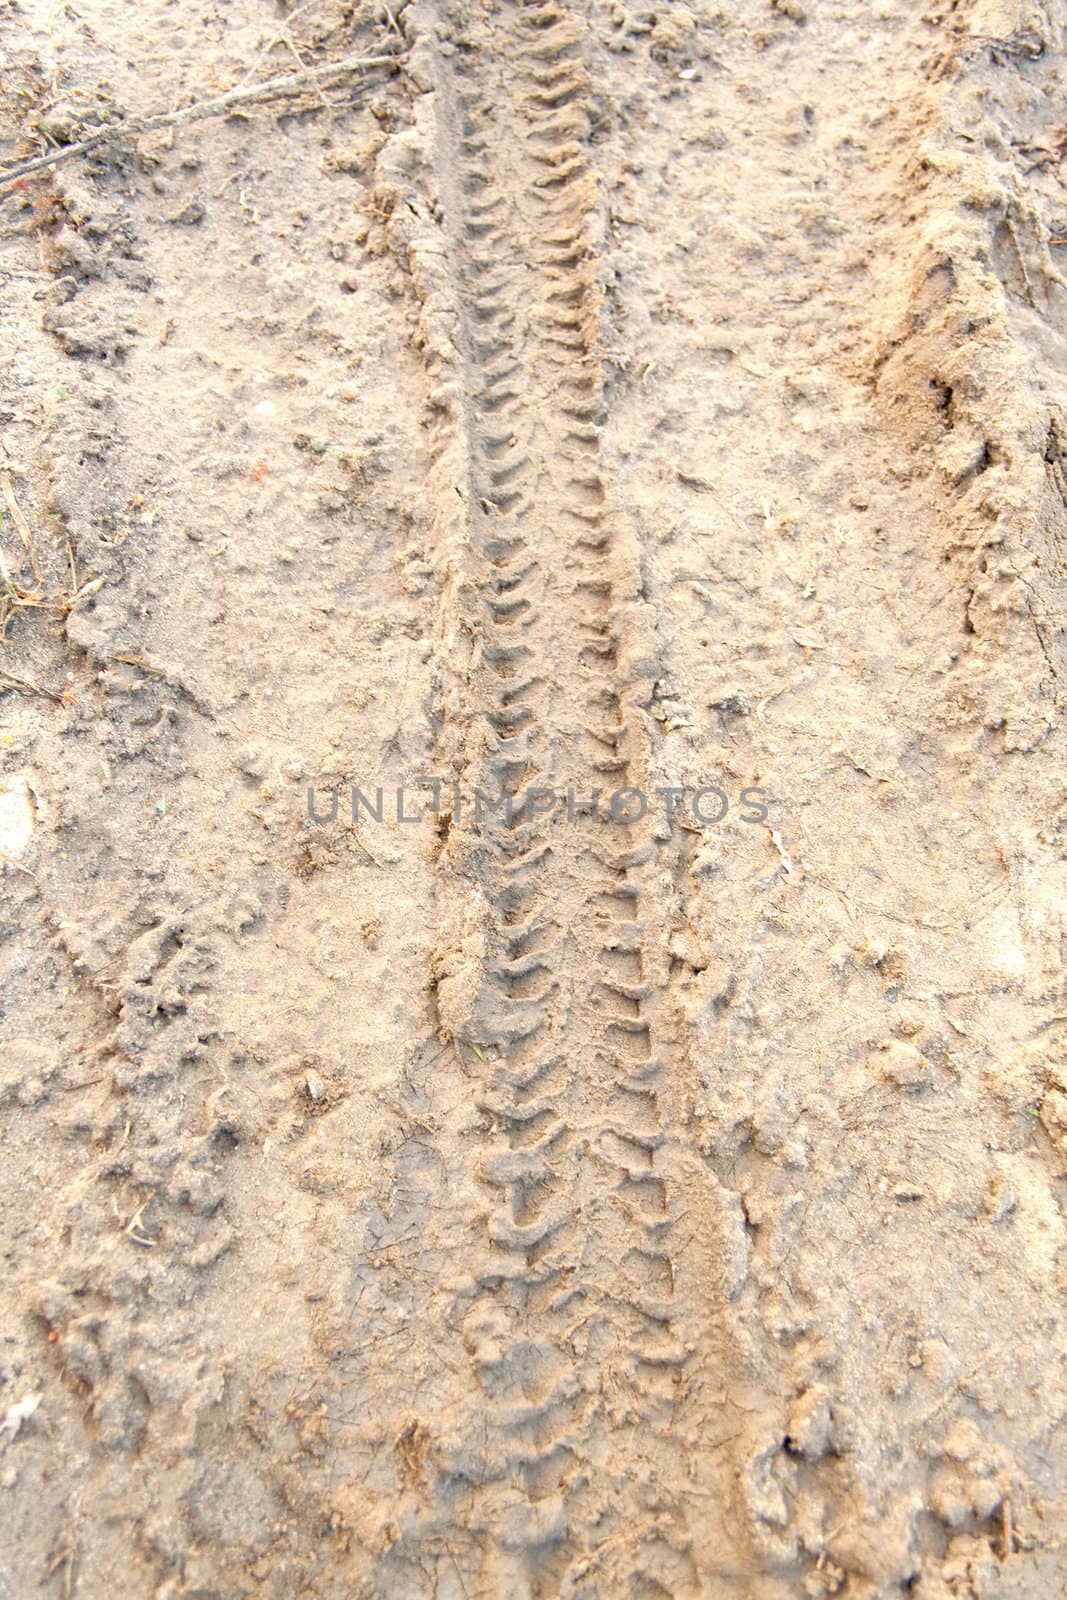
(586,1325)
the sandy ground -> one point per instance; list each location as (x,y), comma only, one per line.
(521,1202)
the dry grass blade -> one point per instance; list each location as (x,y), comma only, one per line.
(26,686)
(16,510)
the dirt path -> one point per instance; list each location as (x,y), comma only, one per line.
(655,1197)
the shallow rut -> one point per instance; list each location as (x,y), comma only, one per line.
(588,1328)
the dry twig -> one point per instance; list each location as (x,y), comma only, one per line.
(272,89)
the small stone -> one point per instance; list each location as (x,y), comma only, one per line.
(190,215)
(811,1424)
(901,1064)
(18,812)
(17,1414)
(986,1497)
(252,763)
(947,1500)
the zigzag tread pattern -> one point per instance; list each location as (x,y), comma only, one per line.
(582,1351)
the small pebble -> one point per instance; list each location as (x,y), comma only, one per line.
(901,1064)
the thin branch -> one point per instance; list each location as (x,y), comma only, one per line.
(272,89)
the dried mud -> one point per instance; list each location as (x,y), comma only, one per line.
(521,1201)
